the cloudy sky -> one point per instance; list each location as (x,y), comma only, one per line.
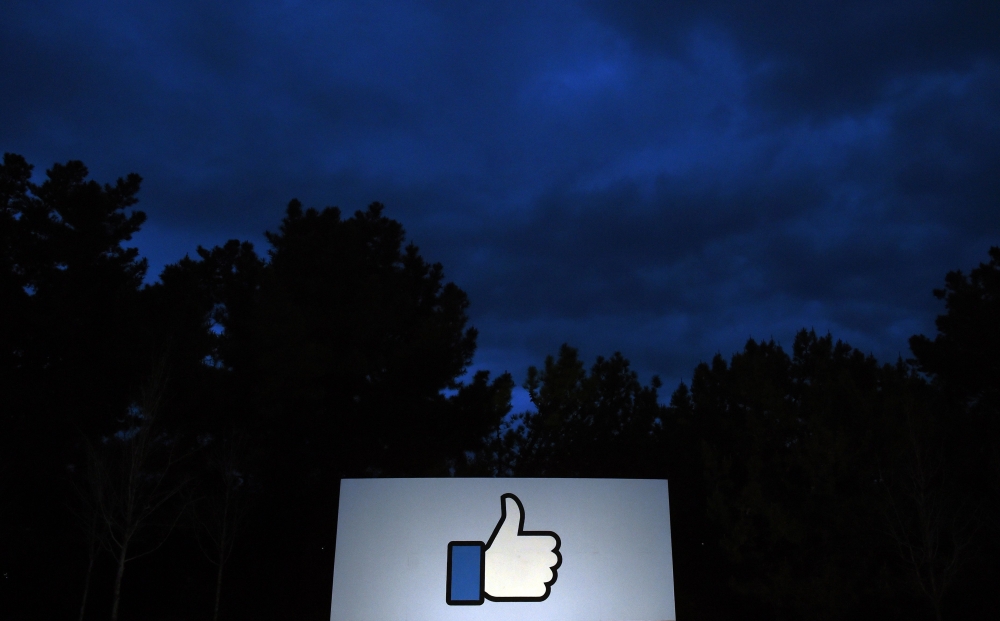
(664,179)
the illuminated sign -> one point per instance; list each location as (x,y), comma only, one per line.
(503,550)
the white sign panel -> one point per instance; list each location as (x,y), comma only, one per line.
(503,550)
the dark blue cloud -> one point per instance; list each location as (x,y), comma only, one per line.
(824,57)
(664,179)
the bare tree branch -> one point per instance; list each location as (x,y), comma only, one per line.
(929,526)
(135,472)
(221,514)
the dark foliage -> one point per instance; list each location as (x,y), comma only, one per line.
(810,484)
(68,318)
(964,357)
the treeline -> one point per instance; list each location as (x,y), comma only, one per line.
(173,451)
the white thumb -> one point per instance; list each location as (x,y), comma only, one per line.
(511,519)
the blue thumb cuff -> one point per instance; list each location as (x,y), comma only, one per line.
(466,573)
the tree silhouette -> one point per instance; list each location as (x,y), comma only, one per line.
(68,311)
(479,403)
(963,362)
(360,336)
(788,446)
(964,357)
(601,424)
(334,355)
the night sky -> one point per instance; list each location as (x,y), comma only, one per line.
(662,179)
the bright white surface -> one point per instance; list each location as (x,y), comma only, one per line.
(393,534)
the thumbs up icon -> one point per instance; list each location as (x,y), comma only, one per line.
(515,565)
